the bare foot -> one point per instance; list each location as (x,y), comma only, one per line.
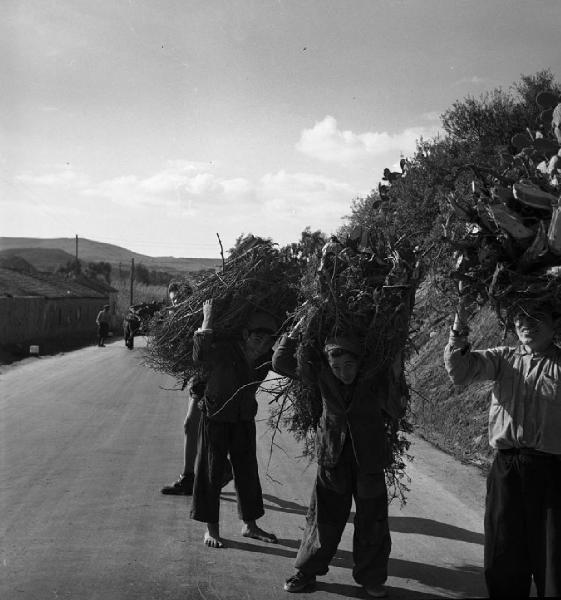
(212,536)
(256,533)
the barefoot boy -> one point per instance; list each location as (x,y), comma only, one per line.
(352,451)
(235,370)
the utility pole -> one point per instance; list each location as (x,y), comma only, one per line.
(77,267)
(132,280)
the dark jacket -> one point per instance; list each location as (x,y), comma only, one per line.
(357,410)
(231,383)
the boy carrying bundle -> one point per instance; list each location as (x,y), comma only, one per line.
(234,369)
(352,452)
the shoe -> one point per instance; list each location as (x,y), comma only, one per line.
(376,591)
(299,581)
(182,487)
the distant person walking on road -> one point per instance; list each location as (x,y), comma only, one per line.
(523,505)
(195,390)
(352,451)
(235,370)
(131,324)
(102,320)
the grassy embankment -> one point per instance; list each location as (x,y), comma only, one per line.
(451,417)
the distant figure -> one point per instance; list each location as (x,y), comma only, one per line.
(102,321)
(131,324)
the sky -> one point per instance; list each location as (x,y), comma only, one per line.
(158,124)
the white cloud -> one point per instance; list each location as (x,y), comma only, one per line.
(305,194)
(324,141)
(278,204)
(61,176)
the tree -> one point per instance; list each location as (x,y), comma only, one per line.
(477,132)
(142,274)
(96,270)
(72,267)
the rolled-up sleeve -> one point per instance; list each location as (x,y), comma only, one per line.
(465,366)
(284,358)
(203,346)
(285,362)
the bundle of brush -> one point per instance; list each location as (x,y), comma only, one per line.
(257,276)
(365,287)
(508,247)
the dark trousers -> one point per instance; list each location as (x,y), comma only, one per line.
(329,511)
(102,331)
(128,334)
(523,525)
(216,440)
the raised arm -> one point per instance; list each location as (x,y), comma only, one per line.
(285,362)
(284,357)
(203,338)
(465,366)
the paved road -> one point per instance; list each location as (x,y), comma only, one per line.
(89,437)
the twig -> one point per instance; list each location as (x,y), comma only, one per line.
(221,252)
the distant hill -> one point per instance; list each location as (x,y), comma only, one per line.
(48,253)
(42,259)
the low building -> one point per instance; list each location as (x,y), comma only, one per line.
(36,308)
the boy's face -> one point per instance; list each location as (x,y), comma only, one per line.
(344,367)
(258,342)
(535,330)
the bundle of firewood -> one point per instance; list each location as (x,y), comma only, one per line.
(363,287)
(509,248)
(256,277)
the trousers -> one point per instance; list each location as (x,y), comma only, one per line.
(216,440)
(523,525)
(329,511)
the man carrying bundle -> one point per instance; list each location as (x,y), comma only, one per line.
(523,505)
(234,370)
(352,451)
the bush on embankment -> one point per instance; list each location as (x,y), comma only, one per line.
(453,418)
(415,204)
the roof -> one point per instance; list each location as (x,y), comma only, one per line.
(96,284)
(18,284)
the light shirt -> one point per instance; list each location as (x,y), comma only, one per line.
(525,409)
(103,317)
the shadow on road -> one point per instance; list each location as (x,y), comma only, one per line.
(354,591)
(398,524)
(435,529)
(284,505)
(466,580)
